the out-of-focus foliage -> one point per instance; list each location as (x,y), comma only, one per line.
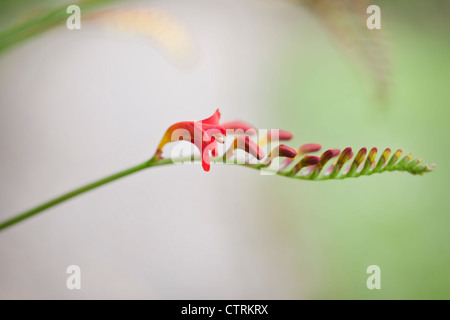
(399,223)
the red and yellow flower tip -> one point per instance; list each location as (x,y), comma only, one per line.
(240,128)
(324,158)
(280,151)
(359,158)
(327,156)
(382,161)
(248,145)
(281,135)
(370,161)
(397,154)
(204,134)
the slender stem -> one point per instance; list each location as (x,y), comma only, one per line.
(29,213)
(153,162)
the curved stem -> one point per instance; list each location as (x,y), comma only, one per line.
(29,213)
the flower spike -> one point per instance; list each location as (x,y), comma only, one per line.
(309,148)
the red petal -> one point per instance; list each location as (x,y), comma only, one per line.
(327,155)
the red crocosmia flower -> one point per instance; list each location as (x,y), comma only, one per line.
(203,134)
(240,126)
(246,144)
